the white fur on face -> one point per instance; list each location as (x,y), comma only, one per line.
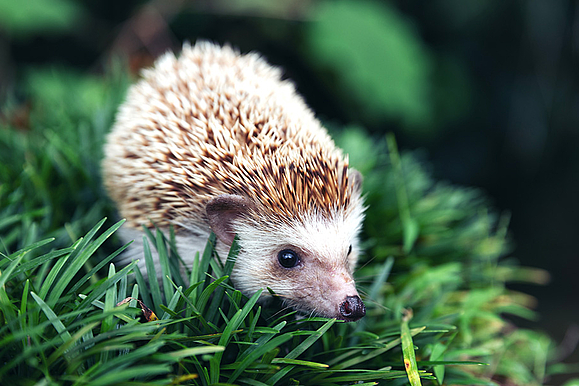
(322,280)
(318,285)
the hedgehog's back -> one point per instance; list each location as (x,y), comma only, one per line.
(191,123)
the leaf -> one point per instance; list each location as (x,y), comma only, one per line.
(410,228)
(377,56)
(163,259)
(129,374)
(37,261)
(153,283)
(29,17)
(220,291)
(207,292)
(110,302)
(177,355)
(5,304)
(438,353)
(408,351)
(99,291)
(56,323)
(366,375)
(310,340)
(172,303)
(261,349)
(78,261)
(298,362)
(233,325)
(90,274)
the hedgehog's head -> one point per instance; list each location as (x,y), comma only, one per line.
(307,258)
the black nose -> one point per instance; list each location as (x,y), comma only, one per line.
(352,308)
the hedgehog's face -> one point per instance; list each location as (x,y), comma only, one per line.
(308,263)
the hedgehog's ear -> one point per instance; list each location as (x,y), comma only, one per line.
(355,179)
(222,211)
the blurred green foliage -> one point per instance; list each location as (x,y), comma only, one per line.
(368,54)
(49,169)
(447,247)
(25,18)
(386,76)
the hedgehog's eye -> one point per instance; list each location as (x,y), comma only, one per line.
(288,258)
(349,250)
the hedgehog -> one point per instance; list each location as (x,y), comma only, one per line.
(216,141)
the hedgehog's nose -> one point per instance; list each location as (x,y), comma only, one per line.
(352,308)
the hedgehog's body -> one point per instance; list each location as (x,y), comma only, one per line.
(217,141)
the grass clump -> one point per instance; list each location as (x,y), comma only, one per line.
(57,330)
(434,280)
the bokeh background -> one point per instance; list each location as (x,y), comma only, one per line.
(486,89)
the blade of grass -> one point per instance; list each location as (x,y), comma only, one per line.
(261,350)
(78,262)
(163,257)
(71,342)
(101,289)
(172,304)
(27,249)
(5,304)
(220,291)
(310,340)
(373,294)
(437,353)
(97,268)
(188,352)
(134,372)
(408,351)
(252,382)
(207,292)
(54,320)
(204,263)
(110,302)
(233,325)
(152,276)
(24,307)
(298,362)
(409,224)
(53,276)
(143,286)
(37,261)
(263,339)
(367,375)
(195,277)
(176,262)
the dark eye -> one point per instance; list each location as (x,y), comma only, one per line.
(350,250)
(288,258)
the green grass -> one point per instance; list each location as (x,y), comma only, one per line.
(53,332)
(433,278)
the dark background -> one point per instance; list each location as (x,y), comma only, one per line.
(488,89)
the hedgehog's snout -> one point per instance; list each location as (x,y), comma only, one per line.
(352,308)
